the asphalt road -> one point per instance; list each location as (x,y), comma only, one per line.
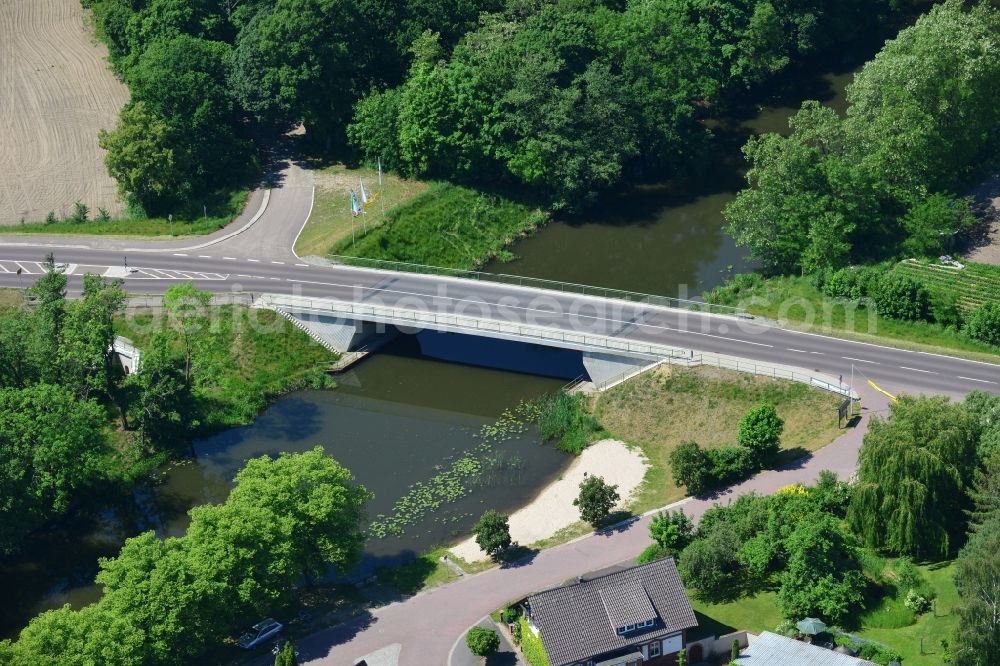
(215,270)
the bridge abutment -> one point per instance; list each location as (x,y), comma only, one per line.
(604,367)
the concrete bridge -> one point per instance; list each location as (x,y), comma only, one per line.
(349,326)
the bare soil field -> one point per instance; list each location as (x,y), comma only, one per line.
(56,92)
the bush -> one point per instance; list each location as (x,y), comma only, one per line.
(51,218)
(671,530)
(900,297)
(482,642)
(880,654)
(80,213)
(731,463)
(691,467)
(738,287)
(596,500)
(760,431)
(511,614)
(531,646)
(917,603)
(515,632)
(843,284)
(652,553)
(984,325)
(944,308)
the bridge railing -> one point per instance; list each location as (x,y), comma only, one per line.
(540,283)
(666,354)
(426,319)
(814,379)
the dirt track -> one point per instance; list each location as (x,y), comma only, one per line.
(56,92)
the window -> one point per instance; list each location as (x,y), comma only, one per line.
(654,649)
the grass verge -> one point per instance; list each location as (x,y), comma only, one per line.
(424,571)
(659,409)
(799,305)
(448,226)
(245,358)
(223,214)
(331,220)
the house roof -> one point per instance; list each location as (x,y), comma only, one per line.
(769,649)
(580,621)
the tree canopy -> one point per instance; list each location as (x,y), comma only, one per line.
(913,472)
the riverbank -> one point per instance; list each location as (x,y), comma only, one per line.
(553,510)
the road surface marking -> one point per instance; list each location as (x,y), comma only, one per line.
(817,353)
(178,254)
(256,261)
(798,351)
(277,262)
(204,256)
(860,360)
(973,379)
(903,367)
(303,265)
(230,258)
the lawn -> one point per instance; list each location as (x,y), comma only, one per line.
(659,409)
(447,226)
(331,220)
(424,571)
(755,614)
(800,305)
(760,612)
(10,297)
(219,216)
(930,627)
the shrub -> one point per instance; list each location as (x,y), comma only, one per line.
(917,603)
(843,284)
(80,213)
(984,325)
(652,553)
(531,646)
(482,642)
(691,467)
(738,287)
(515,632)
(944,308)
(511,614)
(900,297)
(671,530)
(103,215)
(880,654)
(731,463)
(760,431)
(51,218)
(596,500)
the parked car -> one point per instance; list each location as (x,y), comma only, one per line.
(259,633)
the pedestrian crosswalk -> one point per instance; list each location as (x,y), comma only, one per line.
(131,272)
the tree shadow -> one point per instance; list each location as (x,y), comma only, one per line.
(517,556)
(709,626)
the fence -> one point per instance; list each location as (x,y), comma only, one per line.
(550,285)
(814,379)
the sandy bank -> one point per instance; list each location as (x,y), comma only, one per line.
(553,509)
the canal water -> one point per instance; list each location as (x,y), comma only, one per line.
(402,416)
(669,238)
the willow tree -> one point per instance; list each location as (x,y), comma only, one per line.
(913,473)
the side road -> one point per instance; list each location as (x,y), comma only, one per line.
(427,625)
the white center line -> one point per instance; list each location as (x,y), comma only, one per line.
(903,367)
(303,265)
(204,256)
(256,261)
(179,254)
(230,258)
(798,351)
(277,262)
(973,379)
(860,360)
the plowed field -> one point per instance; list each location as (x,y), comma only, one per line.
(56,92)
